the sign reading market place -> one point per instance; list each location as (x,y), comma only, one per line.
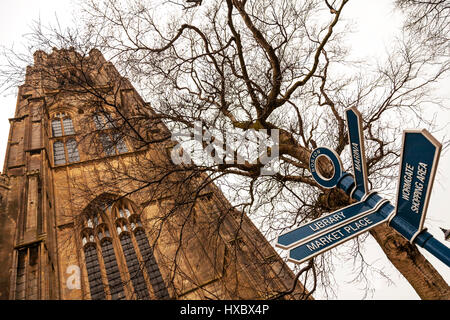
(418,165)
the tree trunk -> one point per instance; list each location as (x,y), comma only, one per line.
(422,276)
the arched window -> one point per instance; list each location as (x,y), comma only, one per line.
(156,280)
(62,125)
(56,128)
(134,266)
(65,150)
(92,263)
(27,275)
(123,227)
(72,150)
(112,269)
(59,155)
(95,234)
(103,121)
(94,273)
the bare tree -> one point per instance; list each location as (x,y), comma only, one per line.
(430,19)
(262,65)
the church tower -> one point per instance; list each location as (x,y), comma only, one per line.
(92,207)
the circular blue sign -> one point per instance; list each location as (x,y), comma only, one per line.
(335,160)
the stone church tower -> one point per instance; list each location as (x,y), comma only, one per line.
(90,209)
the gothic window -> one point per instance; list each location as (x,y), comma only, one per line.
(127,217)
(134,267)
(120,144)
(20,276)
(58,152)
(65,150)
(62,125)
(68,126)
(95,235)
(112,270)
(125,229)
(92,261)
(156,280)
(98,120)
(56,128)
(94,273)
(107,144)
(72,150)
(103,121)
(112,142)
(27,274)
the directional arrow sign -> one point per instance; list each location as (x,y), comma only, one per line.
(418,166)
(323,224)
(356,139)
(332,238)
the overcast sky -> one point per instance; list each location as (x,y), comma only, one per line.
(376,24)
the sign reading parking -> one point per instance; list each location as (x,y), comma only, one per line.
(418,165)
(356,142)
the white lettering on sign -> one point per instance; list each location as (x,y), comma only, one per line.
(407,181)
(315,154)
(356,157)
(418,187)
(327,221)
(355,226)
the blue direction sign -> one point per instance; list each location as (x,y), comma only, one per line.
(356,141)
(325,223)
(335,161)
(418,166)
(332,238)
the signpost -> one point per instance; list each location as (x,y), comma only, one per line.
(326,223)
(418,165)
(356,142)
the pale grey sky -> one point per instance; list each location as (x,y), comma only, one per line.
(376,25)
